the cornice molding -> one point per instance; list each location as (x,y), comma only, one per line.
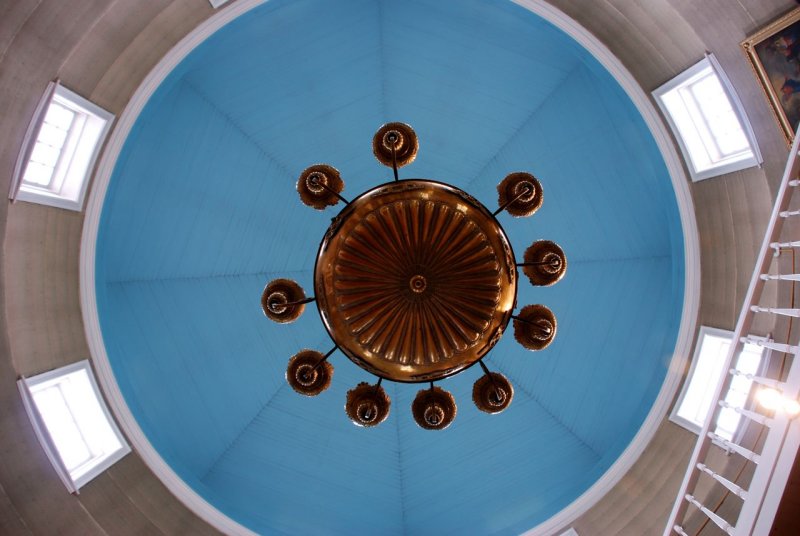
(91,320)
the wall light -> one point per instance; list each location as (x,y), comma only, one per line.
(772,399)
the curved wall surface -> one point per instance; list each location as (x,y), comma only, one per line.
(103,49)
(201,211)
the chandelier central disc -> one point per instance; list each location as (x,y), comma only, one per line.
(415,280)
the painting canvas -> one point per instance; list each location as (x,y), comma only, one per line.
(774,53)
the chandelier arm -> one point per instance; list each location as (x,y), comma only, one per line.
(491,378)
(554,263)
(325,357)
(274,304)
(368,414)
(542,330)
(317,182)
(391,137)
(394,160)
(485,369)
(525,191)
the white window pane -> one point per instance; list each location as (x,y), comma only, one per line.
(687,128)
(53,136)
(740,384)
(59,116)
(62,427)
(71,410)
(38,174)
(708,369)
(704,119)
(718,115)
(699,396)
(707,88)
(89,416)
(699,124)
(727,423)
(738,397)
(45,154)
(749,359)
(69,138)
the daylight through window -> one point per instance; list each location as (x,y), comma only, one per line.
(68,414)
(56,163)
(707,118)
(708,362)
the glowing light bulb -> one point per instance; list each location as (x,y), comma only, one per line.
(791,407)
(769,398)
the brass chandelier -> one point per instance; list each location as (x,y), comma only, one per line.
(415,280)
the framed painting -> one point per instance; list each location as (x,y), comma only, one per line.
(774,53)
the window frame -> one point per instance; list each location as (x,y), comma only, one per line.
(71,176)
(720,333)
(25,385)
(681,81)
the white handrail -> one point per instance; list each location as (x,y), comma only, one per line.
(765,477)
(735,489)
(718,521)
(743,325)
(752,415)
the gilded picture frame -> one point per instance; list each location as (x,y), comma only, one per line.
(774,54)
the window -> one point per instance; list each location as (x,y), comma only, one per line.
(72,423)
(216,4)
(694,402)
(708,120)
(60,148)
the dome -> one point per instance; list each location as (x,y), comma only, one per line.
(201,211)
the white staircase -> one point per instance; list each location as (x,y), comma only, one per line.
(774,459)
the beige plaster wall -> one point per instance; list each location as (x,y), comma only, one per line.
(102,49)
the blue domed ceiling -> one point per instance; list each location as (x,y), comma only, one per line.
(202,211)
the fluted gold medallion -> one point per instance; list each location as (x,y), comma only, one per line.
(414,280)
